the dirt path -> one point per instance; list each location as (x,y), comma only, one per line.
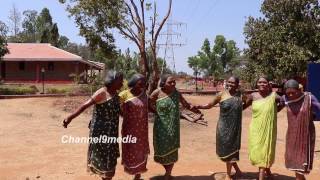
(31,147)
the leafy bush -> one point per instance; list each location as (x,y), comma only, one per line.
(18,90)
(57,91)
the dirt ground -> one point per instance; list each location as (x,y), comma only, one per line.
(31,147)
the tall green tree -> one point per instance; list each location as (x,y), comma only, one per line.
(283,41)
(29,25)
(54,35)
(96,18)
(44,25)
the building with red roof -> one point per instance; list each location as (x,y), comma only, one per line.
(32,62)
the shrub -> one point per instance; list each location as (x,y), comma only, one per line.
(57,91)
(18,90)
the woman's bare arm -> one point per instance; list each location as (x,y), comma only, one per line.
(247,101)
(97,97)
(215,101)
(280,103)
(152,101)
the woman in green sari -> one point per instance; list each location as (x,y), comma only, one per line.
(166,130)
(228,134)
(263,127)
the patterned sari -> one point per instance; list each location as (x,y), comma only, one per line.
(300,139)
(228,134)
(135,124)
(102,157)
(166,129)
(263,131)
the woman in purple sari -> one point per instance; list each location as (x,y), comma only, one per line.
(302,108)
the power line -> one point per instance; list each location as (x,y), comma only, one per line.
(169,44)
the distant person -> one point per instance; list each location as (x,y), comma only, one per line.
(302,108)
(166,130)
(263,127)
(228,133)
(102,157)
(134,105)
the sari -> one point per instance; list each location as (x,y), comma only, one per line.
(300,138)
(228,133)
(166,129)
(135,125)
(263,131)
(102,156)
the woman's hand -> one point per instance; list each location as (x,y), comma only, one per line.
(195,109)
(66,122)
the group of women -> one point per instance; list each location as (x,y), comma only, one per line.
(302,109)
(133,104)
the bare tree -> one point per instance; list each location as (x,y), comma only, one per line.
(95,18)
(137,17)
(15,20)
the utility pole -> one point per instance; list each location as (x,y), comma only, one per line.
(169,45)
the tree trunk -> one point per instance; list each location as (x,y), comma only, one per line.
(155,73)
(143,62)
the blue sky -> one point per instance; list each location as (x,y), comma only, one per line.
(202,18)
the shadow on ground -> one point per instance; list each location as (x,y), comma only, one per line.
(222,175)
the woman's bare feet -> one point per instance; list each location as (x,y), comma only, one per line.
(137,177)
(167,177)
(238,173)
(268,174)
(228,177)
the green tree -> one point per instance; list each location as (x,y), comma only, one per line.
(44,26)
(217,61)
(54,35)
(29,25)
(63,42)
(45,35)
(3,41)
(283,41)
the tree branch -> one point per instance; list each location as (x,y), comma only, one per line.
(136,12)
(128,34)
(142,13)
(133,18)
(162,23)
(153,23)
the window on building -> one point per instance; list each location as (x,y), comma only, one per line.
(50,66)
(22,66)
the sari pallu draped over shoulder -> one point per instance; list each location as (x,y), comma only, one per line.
(263,131)
(300,138)
(135,125)
(228,134)
(166,132)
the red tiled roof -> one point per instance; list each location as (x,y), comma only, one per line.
(38,52)
(41,52)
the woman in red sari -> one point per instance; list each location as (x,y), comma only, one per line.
(302,108)
(134,105)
